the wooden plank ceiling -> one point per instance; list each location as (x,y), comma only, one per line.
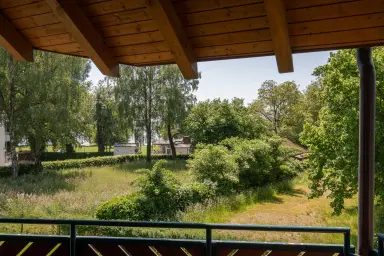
(153,32)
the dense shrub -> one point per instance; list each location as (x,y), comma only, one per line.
(159,188)
(55,156)
(196,192)
(160,197)
(83,163)
(6,171)
(255,161)
(243,164)
(235,165)
(123,208)
(215,163)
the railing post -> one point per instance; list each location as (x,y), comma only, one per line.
(380,246)
(209,242)
(347,243)
(72,242)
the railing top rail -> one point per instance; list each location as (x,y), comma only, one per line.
(381,236)
(148,224)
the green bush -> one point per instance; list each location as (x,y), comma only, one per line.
(196,192)
(160,197)
(83,163)
(241,164)
(159,188)
(255,161)
(6,171)
(55,156)
(215,164)
(102,161)
(123,208)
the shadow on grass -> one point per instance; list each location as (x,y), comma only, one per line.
(172,165)
(46,183)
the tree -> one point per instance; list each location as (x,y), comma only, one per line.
(135,94)
(312,102)
(213,121)
(109,129)
(47,96)
(333,139)
(176,99)
(279,104)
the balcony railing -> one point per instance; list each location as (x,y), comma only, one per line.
(380,247)
(36,245)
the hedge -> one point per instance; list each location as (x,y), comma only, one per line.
(54,156)
(82,163)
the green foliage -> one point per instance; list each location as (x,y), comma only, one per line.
(216,164)
(50,99)
(260,162)
(131,207)
(56,156)
(159,188)
(175,100)
(161,197)
(109,127)
(213,121)
(333,138)
(280,105)
(83,163)
(254,159)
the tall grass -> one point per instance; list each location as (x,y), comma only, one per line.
(75,194)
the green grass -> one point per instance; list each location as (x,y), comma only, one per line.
(76,194)
(70,194)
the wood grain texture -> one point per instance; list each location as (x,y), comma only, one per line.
(174,35)
(76,23)
(278,26)
(14,42)
(212,29)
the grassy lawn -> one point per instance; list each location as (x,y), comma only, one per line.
(76,194)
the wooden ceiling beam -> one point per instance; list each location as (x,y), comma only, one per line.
(14,42)
(276,15)
(174,35)
(78,25)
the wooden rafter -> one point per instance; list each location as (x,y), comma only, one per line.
(76,22)
(174,35)
(276,15)
(14,42)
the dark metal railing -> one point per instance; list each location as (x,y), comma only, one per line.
(208,244)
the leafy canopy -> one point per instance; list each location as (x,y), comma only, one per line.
(333,138)
(216,120)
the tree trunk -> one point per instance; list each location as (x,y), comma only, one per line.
(275,122)
(149,143)
(99,128)
(148,117)
(37,150)
(170,138)
(11,117)
(69,148)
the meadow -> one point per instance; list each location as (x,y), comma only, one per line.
(76,194)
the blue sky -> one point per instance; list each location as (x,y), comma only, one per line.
(242,77)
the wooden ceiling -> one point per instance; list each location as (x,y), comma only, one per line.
(154,32)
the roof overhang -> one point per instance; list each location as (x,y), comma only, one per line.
(155,32)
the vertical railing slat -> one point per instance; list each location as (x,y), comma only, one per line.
(209,241)
(347,243)
(72,242)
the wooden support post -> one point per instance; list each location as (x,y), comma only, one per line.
(366,150)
